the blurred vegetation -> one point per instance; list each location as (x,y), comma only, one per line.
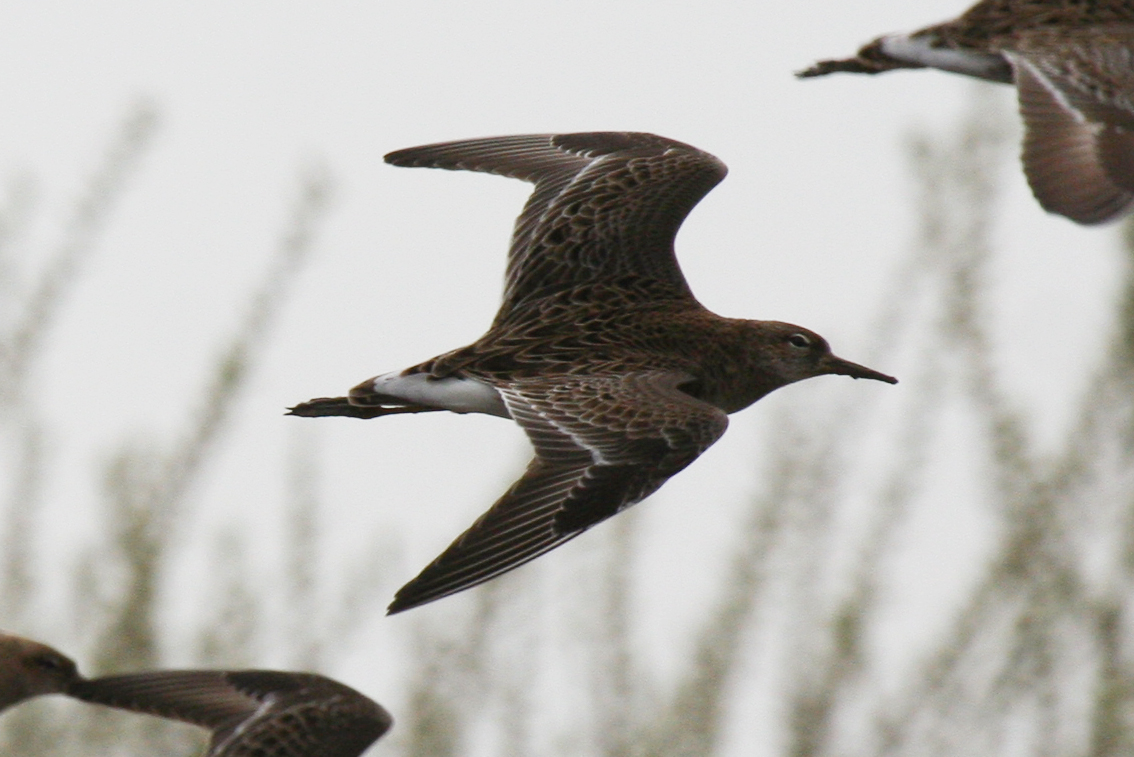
(1035,660)
(120,591)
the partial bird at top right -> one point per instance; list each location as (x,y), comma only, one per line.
(1072,62)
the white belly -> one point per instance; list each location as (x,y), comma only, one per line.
(459,395)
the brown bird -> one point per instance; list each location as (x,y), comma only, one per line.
(1072,62)
(599,351)
(251,713)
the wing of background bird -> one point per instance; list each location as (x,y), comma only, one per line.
(607,205)
(316,715)
(225,701)
(201,697)
(602,443)
(1076,92)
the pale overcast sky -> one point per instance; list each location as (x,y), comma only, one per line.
(805,228)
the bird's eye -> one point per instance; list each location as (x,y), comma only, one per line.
(47,662)
(799,340)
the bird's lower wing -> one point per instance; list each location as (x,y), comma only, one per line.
(518,528)
(602,444)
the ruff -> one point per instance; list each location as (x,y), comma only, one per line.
(1072,62)
(599,351)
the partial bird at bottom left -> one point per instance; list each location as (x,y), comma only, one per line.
(263,712)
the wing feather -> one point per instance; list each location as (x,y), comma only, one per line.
(1076,93)
(242,709)
(606,205)
(602,443)
(201,697)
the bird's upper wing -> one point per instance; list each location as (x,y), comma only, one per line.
(1076,91)
(602,443)
(226,702)
(606,205)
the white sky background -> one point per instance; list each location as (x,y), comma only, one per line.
(805,229)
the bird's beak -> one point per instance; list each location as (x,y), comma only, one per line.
(842,367)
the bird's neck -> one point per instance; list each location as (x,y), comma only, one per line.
(735,368)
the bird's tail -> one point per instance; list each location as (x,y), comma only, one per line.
(342,406)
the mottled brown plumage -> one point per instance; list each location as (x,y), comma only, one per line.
(599,351)
(1072,62)
(251,713)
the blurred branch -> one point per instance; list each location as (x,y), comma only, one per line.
(21,509)
(233,367)
(20,341)
(616,683)
(91,214)
(228,635)
(1031,620)
(690,726)
(15,213)
(146,507)
(302,557)
(146,493)
(322,617)
(451,678)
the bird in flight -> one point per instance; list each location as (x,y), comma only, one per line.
(1073,66)
(251,713)
(600,352)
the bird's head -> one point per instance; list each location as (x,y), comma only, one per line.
(29,669)
(793,353)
